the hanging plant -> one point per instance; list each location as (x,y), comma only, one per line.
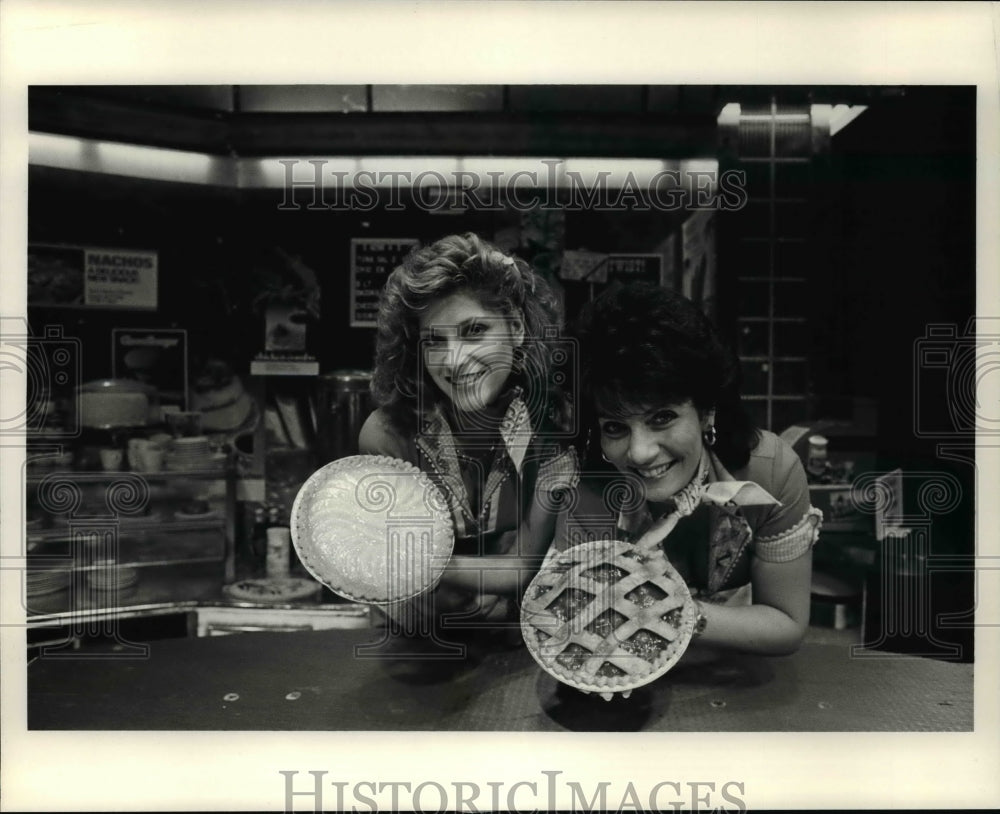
(302,293)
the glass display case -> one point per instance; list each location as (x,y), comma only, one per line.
(111,543)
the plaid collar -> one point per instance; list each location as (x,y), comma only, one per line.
(516,431)
(714,486)
(437,443)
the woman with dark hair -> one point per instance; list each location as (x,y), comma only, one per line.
(672,460)
(463,379)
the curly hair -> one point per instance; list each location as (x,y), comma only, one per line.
(642,345)
(499,282)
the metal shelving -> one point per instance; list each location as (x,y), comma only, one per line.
(120,561)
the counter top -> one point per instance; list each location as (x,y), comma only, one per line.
(347,680)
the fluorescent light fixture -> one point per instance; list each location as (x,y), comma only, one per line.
(113,158)
(843,115)
(513,172)
(700,173)
(481,171)
(280,172)
(617,172)
(405,171)
(58,151)
(347,172)
(730,114)
(838,116)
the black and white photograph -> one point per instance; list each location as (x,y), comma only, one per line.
(500,439)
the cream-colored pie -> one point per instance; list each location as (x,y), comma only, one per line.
(373,529)
(604,617)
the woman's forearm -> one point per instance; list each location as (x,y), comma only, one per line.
(507,574)
(500,574)
(751,629)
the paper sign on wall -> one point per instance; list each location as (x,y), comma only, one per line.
(372,261)
(76,276)
(154,356)
(635,268)
(119,279)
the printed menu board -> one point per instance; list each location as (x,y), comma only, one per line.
(78,276)
(593,267)
(154,356)
(634,268)
(372,261)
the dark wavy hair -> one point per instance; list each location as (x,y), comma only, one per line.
(642,345)
(500,282)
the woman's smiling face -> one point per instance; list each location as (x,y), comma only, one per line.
(468,349)
(662,446)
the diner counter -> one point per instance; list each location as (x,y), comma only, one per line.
(330,680)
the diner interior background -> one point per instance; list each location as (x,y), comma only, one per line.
(879,221)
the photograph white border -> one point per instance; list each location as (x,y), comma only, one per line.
(253,42)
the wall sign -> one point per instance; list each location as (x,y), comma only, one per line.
(634,268)
(593,267)
(77,276)
(372,261)
(154,356)
(584,266)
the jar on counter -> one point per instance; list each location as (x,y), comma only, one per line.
(816,459)
(344,398)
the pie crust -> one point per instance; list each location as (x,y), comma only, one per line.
(372,528)
(604,617)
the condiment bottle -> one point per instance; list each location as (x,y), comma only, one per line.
(816,457)
(278,549)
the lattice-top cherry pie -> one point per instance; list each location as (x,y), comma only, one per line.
(604,617)
(372,528)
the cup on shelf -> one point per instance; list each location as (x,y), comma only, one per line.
(134,453)
(151,457)
(111,458)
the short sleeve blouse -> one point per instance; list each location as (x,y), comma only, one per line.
(526,463)
(784,531)
(773,521)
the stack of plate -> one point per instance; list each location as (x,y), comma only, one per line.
(208,514)
(41,583)
(148,518)
(192,454)
(112,578)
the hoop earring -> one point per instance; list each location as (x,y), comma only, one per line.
(710,436)
(605,458)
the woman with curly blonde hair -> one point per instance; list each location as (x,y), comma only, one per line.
(464,382)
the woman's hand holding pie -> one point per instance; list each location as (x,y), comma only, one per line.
(658,532)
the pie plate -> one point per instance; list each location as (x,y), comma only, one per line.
(604,617)
(272,589)
(372,528)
